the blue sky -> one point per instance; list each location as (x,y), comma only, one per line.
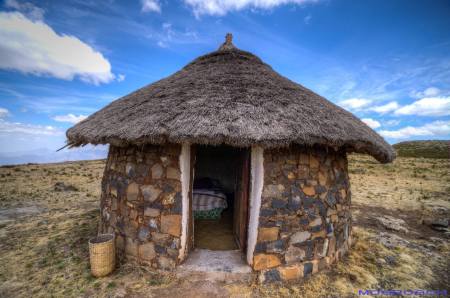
(388,62)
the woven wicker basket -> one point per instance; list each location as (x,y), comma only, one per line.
(102,254)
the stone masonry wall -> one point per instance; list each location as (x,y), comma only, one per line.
(305,220)
(141,203)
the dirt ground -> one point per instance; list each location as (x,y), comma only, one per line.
(44,234)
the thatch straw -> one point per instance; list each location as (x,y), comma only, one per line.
(228,97)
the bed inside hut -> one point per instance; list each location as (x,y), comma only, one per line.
(220,197)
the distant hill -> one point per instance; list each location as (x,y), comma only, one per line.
(46,155)
(427,149)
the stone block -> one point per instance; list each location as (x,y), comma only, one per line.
(159,238)
(143,233)
(160,249)
(265,261)
(142,170)
(260,247)
(131,247)
(277,203)
(152,212)
(316,222)
(273,191)
(165,160)
(331,246)
(129,169)
(315,264)
(113,191)
(147,251)
(168,198)
(153,223)
(291,175)
(289,273)
(133,214)
(165,263)
(267,212)
(120,243)
(173,173)
(157,171)
(150,192)
(309,190)
(268,234)
(319,234)
(314,162)
(324,263)
(294,203)
(322,177)
(272,275)
(303,172)
(294,255)
(300,237)
(307,269)
(324,251)
(132,191)
(171,224)
(275,246)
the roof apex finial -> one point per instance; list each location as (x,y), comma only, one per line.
(229,38)
(228,44)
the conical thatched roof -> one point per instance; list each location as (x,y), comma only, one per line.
(228,96)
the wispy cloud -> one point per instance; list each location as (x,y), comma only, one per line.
(220,7)
(169,35)
(31,46)
(371,122)
(29,9)
(386,108)
(17,128)
(4,113)
(70,118)
(436,128)
(307,19)
(355,103)
(429,92)
(151,6)
(429,106)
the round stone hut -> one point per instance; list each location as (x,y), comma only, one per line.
(227,154)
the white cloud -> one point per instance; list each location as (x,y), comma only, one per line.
(307,19)
(221,7)
(169,35)
(371,123)
(71,118)
(3,113)
(162,44)
(33,47)
(120,77)
(151,6)
(29,9)
(429,106)
(429,92)
(436,128)
(389,107)
(391,123)
(355,103)
(16,128)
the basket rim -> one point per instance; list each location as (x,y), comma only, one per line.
(101,238)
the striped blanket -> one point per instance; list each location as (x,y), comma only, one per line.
(207,199)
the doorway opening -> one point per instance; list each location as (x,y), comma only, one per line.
(220,197)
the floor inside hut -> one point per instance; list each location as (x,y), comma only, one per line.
(215,234)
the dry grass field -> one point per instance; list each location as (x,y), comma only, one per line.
(44,234)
